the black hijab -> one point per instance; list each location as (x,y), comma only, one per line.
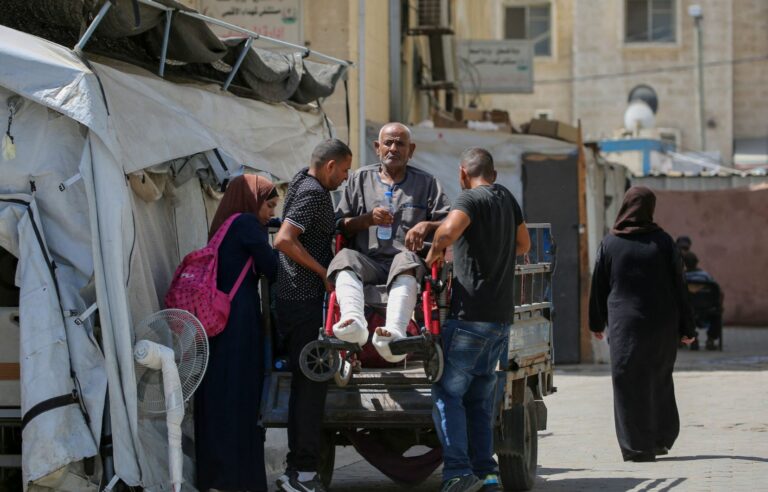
(636,213)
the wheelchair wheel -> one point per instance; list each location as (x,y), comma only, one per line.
(319,362)
(343,376)
(434,363)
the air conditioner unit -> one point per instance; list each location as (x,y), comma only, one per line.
(439,56)
(434,13)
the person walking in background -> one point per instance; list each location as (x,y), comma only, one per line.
(304,241)
(486,224)
(229,443)
(639,292)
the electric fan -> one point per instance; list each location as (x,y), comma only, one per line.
(171,357)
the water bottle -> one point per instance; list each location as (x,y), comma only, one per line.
(384,232)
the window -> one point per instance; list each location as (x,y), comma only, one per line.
(530,22)
(650,21)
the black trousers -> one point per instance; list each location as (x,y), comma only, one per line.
(299,323)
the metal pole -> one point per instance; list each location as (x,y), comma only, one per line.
(361,82)
(237,64)
(255,35)
(395,68)
(89,32)
(166,35)
(700,61)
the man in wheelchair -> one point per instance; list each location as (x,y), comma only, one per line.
(418,205)
(706,301)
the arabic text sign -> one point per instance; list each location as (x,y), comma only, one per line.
(495,66)
(280,19)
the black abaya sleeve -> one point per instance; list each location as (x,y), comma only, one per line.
(598,293)
(686,326)
(255,240)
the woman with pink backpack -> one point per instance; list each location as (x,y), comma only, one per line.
(229,443)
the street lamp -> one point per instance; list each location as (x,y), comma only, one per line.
(695,11)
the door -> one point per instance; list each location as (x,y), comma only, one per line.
(550,194)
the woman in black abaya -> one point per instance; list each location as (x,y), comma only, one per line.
(229,443)
(639,293)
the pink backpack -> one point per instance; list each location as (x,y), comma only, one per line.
(194,289)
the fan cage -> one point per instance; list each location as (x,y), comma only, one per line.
(182,332)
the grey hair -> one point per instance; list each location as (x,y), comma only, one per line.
(395,123)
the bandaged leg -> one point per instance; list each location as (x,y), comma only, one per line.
(352,326)
(402,300)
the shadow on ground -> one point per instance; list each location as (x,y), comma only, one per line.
(713,457)
(604,484)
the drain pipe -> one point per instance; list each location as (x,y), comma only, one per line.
(362,148)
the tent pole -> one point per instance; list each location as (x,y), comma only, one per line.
(89,32)
(166,35)
(237,64)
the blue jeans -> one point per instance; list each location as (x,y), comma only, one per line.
(464,396)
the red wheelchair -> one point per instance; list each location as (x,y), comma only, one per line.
(328,357)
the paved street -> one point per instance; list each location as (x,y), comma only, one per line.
(723,444)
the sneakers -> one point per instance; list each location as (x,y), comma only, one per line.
(466,483)
(711,344)
(491,484)
(289,482)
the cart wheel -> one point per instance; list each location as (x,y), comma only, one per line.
(518,472)
(319,362)
(434,363)
(343,376)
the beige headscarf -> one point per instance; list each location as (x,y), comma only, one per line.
(245,194)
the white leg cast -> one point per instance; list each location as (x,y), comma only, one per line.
(349,294)
(402,299)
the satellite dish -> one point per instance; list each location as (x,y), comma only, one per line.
(638,116)
(646,94)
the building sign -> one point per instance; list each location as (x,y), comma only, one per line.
(279,19)
(495,66)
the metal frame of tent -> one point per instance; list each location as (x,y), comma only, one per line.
(169,11)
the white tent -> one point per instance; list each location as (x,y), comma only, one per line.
(109,187)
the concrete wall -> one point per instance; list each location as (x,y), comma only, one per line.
(729,229)
(750,79)
(600,49)
(331,27)
(592,69)
(483,19)
(332,35)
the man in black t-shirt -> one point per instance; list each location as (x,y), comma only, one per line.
(304,241)
(487,227)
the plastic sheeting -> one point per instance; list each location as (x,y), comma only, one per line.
(438,151)
(144,120)
(51,347)
(48,151)
(129,120)
(194,49)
